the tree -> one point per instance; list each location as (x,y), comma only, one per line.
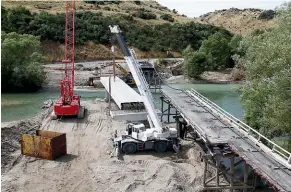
(217,50)
(21,63)
(195,63)
(18,20)
(266,95)
(234,44)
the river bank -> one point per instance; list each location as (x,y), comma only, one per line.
(85,70)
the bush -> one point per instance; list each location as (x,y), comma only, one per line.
(218,52)
(107,8)
(137,2)
(267,15)
(195,63)
(144,14)
(167,17)
(96,2)
(21,63)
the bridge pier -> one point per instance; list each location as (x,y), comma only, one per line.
(219,181)
(167,110)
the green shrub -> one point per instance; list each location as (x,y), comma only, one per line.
(144,14)
(267,15)
(21,63)
(195,63)
(107,8)
(167,17)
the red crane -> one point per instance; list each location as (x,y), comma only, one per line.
(69,103)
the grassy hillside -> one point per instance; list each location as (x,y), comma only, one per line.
(239,21)
(148,27)
(107,8)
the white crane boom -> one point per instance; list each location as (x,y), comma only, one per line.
(139,79)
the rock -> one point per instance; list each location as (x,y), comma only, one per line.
(47,104)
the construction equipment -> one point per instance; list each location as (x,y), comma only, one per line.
(128,79)
(69,103)
(137,137)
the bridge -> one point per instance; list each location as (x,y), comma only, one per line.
(226,137)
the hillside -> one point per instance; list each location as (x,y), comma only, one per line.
(238,21)
(151,29)
(106,8)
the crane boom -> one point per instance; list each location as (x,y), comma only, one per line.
(139,79)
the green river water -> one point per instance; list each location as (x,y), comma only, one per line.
(27,105)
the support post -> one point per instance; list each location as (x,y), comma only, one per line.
(155,83)
(169,108)
(162,100)
(232,173)
(217,172)
(109,93)
(177,126)
(205,172)
(246,173)
(113,57)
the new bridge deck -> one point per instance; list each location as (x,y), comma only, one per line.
(215,130)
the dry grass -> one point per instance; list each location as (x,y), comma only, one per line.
(241,22)
(125,7)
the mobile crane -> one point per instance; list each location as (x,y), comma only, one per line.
(69,103)
(137,137)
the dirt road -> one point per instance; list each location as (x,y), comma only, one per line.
(89,167)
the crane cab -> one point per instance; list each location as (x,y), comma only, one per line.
(133,129)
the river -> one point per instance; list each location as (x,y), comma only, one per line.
(27,105)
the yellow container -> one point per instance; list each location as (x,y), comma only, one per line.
(44,144)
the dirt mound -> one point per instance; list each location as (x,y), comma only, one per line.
(10,139)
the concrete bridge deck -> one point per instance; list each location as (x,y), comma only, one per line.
(123,95)
(219,128)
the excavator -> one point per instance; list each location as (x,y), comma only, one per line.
(127,76)
(68,103)
(136,136)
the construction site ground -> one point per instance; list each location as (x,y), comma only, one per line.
(89,165)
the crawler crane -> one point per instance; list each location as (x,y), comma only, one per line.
(137,137)
(69,103)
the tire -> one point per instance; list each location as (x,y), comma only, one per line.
(54,116)
(161,146)
(81,113)
(129,148)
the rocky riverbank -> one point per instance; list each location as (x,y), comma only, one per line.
(171,72)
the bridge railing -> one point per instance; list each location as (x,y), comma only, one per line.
(279,153)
